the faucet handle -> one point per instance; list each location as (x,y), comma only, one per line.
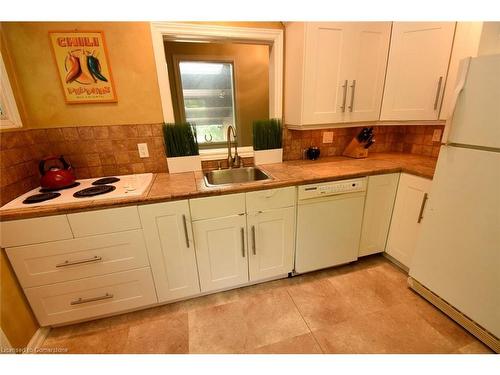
(219,165)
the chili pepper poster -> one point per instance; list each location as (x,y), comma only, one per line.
(83,66)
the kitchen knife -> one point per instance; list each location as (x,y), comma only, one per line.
(369,143)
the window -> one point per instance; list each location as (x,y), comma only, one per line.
(208,99)
(9,115)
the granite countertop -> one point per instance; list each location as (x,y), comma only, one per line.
(168,187)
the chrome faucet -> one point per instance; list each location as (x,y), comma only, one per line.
(232,162)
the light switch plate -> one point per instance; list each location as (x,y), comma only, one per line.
(327,137)
(436,136)
(143,150)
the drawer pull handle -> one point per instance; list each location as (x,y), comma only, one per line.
(254,246)
(344,98)
(353,87)
(422,206)
(243,242)
(80,300)
(75,262)
(185,230)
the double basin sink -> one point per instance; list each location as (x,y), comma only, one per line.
(235,176)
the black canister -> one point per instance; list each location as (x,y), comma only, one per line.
(312,153)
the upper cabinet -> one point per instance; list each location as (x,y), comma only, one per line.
(417,70)
(334,71)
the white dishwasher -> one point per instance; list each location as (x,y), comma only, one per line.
(329,223)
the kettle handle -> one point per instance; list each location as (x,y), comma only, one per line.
(41,165)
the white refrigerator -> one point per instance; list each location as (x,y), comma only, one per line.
(457,256)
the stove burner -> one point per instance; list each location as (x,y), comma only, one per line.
(105,181)
(37,198)
(94,190)
(46,190)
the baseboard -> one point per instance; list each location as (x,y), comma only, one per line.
(37,339)
(475,329)
(396,262)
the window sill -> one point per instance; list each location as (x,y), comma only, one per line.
(221,153)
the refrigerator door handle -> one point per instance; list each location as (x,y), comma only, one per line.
(461,78)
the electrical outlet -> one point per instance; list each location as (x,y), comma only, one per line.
(143,150)
(436,136)
(327,137)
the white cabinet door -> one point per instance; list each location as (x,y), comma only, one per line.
(416,71)
(325,71)
(271,242)
(465,44)
(408,208)
(378,211)
(367,61)
(167,231)
(221,252)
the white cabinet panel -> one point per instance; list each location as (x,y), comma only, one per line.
(271,243)
(270,199)
(36,230)
(221,252)
(367,70)
(405,226)
(335,71)
(417,69)
(167,230)
(378,211)
(91,297)
(58,261)
(325,72)
(218,206)
(104,221)
(465,44)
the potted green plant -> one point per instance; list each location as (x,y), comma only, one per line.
(181,147)
(267,141)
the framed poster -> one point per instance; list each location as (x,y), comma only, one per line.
(83,65)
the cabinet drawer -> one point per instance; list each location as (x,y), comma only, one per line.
(36,230)
(270,199)
(220,206)
(92,297)
(73,259)
(104,221)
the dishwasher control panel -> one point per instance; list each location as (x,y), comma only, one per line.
(332,188)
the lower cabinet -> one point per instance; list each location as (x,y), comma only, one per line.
(168,235)
(88,298)
(380,196)
(221,251)
(255,242)
(272,242)
(405,223)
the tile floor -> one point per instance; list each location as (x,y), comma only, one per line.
(364,307)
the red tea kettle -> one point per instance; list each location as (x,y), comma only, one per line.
(54,177)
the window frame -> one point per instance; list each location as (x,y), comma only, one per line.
(274,37)
(12,118)
(177,59)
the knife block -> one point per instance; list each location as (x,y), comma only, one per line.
(355,150)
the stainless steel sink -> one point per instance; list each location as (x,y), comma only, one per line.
(234,176)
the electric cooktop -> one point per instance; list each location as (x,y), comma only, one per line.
(89,189)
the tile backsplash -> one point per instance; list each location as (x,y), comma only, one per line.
(96,151)
(93,151)
(415,139)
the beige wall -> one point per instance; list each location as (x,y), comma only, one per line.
(251,66)
(33,73)
(131,58)
(16,319)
